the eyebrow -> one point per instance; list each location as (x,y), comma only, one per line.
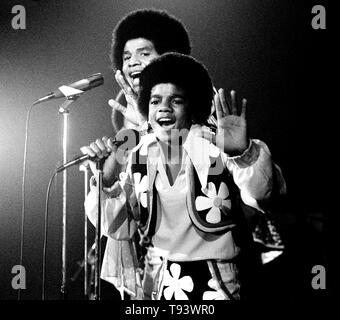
(182,96)
(139,49)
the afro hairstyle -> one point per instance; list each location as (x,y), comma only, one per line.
(165,31)
(185,72)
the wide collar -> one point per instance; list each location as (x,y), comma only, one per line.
(199,150)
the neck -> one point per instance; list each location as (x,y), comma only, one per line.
(172,152)
(172,148)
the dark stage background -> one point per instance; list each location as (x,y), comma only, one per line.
(266,50)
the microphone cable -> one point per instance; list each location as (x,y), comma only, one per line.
(45,235)
(23,193)
(23,213)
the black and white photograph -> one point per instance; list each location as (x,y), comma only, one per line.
(166,150)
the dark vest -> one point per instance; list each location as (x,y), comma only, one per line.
(229,215)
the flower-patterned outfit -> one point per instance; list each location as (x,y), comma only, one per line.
(189,227)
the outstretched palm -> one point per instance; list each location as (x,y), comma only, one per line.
(231,134)
(130,112)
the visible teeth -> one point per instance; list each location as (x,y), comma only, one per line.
(165,120)
(135,74)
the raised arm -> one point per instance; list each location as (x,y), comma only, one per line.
(249,160)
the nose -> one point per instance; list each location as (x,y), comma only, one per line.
(165,107)
(133,60)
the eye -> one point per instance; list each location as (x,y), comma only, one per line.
(154,102)
(145,53)
(178,101)
(125,58)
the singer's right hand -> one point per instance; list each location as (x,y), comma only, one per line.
(114,163)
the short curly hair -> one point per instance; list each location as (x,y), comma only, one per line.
(165,31)
(185,72)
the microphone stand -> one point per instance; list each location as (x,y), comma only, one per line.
(99,180)
(64,111)
(84,168)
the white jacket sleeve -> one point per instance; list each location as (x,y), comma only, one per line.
(253,173)
(117,220)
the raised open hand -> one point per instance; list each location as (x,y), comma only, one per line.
(231,134)
(130,112)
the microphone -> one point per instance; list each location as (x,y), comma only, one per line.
(75,88)
(127,137)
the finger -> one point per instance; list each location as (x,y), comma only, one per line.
(219,111)
(216,92)
(111,147)
(99,148)
(212,120)
(124,84)
(106,141)
(244,108)
(129,114)
(130,92)
(213,108)
(88,150)
(119,95)
(233,102)
(223,102)
(101,143)
(117,106)
(110,144)
(121,81)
